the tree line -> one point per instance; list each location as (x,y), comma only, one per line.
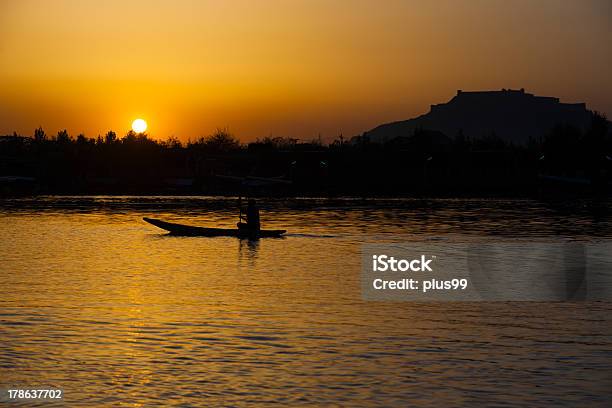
(426,162)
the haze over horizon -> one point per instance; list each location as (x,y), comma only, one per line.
(296,69)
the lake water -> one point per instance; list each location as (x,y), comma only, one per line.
(106,307)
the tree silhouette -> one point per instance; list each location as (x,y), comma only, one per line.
(39,134)
(81,139)
(172,143)
(63,137)
(110,137)
(222,141)
(133,137)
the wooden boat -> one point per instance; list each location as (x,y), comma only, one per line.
(188,230)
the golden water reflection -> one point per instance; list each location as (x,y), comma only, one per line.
(100,304)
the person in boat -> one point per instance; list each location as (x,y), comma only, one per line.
(252,217)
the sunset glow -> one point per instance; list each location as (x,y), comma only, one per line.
(286,68)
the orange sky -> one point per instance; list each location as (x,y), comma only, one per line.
(294,68)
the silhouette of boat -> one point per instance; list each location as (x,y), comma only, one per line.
(188,230)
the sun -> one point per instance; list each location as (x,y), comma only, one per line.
(139,125)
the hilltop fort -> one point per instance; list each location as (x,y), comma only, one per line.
(511,115)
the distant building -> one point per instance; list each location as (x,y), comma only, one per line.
(511,115)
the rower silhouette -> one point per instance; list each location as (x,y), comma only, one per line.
(251,223)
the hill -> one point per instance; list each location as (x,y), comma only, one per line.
(511,115)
